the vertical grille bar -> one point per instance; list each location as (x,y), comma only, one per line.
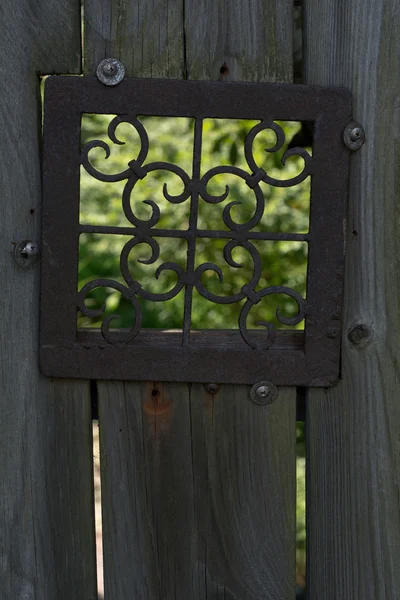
(190,264)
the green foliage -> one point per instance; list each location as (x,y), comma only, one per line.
(171,140)
(300,507)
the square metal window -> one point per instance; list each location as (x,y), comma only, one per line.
(307,358)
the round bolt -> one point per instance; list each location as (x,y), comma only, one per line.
(212,388)
(263,392)
(354,136)
(110,71)
(31,249)
(25,253)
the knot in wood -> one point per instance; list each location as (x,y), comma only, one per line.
(360,335)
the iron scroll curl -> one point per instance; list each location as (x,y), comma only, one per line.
(194,188)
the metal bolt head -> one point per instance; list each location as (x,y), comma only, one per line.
(110,71)
(263,392)
(211,388)
(354,136)
(31,249)
(25,253)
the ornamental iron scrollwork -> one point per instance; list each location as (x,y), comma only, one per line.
(196,236)
(194,188)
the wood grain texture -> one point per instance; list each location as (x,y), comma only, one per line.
(254,39)
(46,502)
(354,428)
(198,493)
(146,35)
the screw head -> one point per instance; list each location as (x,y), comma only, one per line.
(211,388)
(25,253)
(263,392)
(354,136)
(31,249)
(110,71)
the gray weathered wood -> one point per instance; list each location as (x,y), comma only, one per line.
(354,429)
(198,494)
(46,501)
(246,528)
(244,494)
(147,490)
(146,35)
(253,38)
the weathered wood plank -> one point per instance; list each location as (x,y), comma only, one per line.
(198,492)
(354,429)
(253,38)
(147,490)
(252,41)
(146,35)
(244,492)
(46,501)
(148,38)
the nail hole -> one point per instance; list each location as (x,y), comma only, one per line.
(155,393)
(32,211)
(224,69)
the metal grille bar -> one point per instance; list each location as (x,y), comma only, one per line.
(258,355)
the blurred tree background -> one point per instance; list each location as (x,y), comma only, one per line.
(171,140)
(284,263)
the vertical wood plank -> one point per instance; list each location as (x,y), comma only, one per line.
(146,35)
(254,39)
(46,501)
(198,491)
(147,490)
(246,531)
(141,528)
(354,428)
(244,494)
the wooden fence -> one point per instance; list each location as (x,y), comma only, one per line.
(199,491)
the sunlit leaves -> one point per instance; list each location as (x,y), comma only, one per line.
(171,140)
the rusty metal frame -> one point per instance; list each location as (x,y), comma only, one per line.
(309,358)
